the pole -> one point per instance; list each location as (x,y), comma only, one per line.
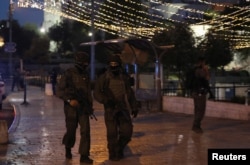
(92,59)
(25,93)
(10,35)
(158,84)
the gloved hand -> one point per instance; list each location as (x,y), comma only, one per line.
(134,113)
(74,103)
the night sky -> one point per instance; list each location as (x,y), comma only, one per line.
(23,15)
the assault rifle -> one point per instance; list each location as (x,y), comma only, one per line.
(86,103)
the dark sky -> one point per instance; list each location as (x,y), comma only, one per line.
(23,15)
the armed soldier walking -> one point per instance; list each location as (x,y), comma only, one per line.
(113,90)
(75,90)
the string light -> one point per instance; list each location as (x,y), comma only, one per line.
(148,22)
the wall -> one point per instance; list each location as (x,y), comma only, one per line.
(213,109)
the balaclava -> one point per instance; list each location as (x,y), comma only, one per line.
(81,60)
(114,64)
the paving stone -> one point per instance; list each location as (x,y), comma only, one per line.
(159,137)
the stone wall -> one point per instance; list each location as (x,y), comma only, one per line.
(213,109)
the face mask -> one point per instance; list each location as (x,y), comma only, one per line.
(82,66)
(115,70)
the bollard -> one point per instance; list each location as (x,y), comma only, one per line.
(25,95)
(48,89)
(4,137)
(247,96)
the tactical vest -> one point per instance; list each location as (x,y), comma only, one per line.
(199,79)
(117,87)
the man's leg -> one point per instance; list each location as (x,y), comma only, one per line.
(84,146)
(70,135)
(125,132)
(199,111)
(112,135)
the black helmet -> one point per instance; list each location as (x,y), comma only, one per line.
(114,60)
(114,63)
(81,57)
(81,60)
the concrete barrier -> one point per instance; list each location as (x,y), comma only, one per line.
(48,89)
(4,136)
(213,108)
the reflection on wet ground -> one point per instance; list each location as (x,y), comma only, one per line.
(159,137)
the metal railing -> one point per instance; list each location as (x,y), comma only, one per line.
(223,92)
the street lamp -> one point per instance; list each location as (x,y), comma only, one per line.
(11,7)
(42,30)
(92,59)
(1,41)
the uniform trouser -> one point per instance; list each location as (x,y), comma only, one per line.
(199,108)
(119,131)
(72,118)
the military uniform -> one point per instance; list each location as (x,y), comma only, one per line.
(113,90)
(75,85)
(199,94)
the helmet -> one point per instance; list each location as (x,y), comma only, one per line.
(81,57)
(81,60)
(114,60)
(114,63)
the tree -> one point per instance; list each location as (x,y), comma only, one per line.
(68,34)
(217,50)
(22,36)
(183,53)
(38,52)
(179,58)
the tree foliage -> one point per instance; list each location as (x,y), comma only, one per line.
(70,34)
(22,36)
(217,51)
(38,52)
(183,52)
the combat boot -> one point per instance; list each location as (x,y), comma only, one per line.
(68,153)
(197,129)
(120,154)
(114,157)
(86,159)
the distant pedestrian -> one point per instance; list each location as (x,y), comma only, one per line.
(53,80)
(74,89)
(199,93)
(16,79)
(113,90)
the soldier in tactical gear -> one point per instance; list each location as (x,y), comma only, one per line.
(75,90)
(200,88)
(113,90)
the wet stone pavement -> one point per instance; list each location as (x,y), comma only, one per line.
(159,137)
